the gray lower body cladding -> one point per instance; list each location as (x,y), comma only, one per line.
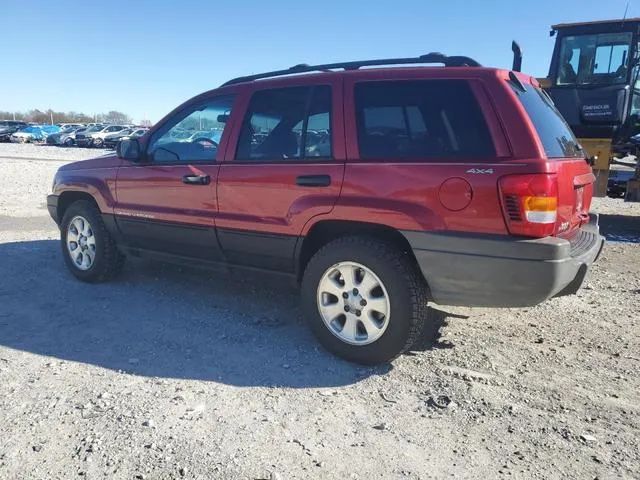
(501,271)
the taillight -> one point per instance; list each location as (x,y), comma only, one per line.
(530,204)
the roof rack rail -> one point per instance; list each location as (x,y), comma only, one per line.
(453,61)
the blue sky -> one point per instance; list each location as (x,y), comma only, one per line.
(146,57)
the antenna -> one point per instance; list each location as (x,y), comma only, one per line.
(624,17)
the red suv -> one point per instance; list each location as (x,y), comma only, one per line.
(378,189)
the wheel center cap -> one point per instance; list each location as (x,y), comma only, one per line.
(83,241)
(353,302)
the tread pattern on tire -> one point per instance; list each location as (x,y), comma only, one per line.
(403,263)
(112,258)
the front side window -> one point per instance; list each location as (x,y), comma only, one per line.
(287,124)
(194,135)
(420,119)
(594,59)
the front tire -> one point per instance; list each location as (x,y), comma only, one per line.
(364,299)
(98,142)
(89,251)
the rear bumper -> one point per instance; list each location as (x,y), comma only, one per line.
(52,206)
(499,271)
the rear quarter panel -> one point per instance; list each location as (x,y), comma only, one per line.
(407,195)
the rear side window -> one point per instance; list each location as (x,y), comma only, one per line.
(291,123)
(420,119)
(556,136)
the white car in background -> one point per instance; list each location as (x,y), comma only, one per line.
(94,136)
(98,137)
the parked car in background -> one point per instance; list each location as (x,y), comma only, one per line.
(66,137)
(34,133)
(65,126)
(9,127)
(94,137)
(84,139)
(111,140)
(617,184)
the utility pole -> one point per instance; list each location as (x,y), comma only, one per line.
(14,116)
(51,113)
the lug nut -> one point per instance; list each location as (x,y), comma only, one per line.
(358,313)
(363,302)
(346,308)
(355,291)
(345,295)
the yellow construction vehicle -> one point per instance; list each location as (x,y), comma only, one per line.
(594,82)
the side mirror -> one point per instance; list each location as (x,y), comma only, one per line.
(223,118)
(129,149)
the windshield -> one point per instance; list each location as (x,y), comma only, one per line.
(96,128)
(594,59)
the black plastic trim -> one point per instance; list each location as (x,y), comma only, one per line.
(52,206)
(196,241)
(453,61)
(502,271)
(260,250)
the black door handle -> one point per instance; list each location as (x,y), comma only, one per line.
(313,180)
(196,179)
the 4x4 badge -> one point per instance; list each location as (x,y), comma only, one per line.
(481,171)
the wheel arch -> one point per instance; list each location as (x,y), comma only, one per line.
(67,198)
(325,231)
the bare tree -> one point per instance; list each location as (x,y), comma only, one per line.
(39,116)
(117,117)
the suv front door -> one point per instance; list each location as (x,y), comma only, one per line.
(285,167)
(167,202)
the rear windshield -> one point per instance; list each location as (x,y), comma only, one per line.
(556,136)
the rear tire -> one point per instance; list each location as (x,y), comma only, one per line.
(68,142)
(98,142)
(396,278)
(89,251)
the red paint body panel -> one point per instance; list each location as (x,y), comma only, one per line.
(157,192)
(264,197)
(97,177)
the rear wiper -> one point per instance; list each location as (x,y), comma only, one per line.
(516,81)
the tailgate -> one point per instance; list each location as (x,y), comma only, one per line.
(575,190)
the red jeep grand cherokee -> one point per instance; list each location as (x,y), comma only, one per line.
(378,189)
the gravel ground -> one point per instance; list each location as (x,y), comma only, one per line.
(48,152)
(175,373)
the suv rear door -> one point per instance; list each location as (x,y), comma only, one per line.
(284,166)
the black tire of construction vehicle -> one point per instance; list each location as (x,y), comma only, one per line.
(108,260)
(406,288)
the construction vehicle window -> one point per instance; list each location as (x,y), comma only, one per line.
(594,59)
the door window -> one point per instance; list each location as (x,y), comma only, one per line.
(420,119)
(192,135)
(287,124)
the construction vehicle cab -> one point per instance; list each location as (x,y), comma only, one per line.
(593,80)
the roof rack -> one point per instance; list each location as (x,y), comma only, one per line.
(454,61)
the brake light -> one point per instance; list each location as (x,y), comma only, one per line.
(530,204)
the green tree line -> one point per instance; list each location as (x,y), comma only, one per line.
(44,116)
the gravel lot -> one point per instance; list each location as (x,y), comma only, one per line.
(175,373)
